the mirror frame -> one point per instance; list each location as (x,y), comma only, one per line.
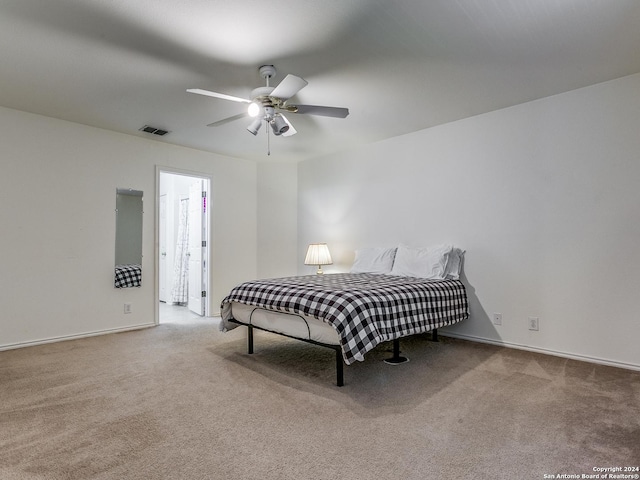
(128,239)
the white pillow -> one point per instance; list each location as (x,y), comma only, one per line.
(429,263)
(373,260)
(454,264)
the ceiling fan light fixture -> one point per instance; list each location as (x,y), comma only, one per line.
(279,125)
(255,125)
(254,109)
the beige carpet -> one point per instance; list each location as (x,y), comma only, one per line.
(184,401)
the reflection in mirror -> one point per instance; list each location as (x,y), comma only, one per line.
(128,267)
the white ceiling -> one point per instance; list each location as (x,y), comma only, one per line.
(399,66)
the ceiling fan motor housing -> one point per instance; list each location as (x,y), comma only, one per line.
(262,96)
(261,92)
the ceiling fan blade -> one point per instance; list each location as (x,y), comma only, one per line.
(335,112)
(291,131)
(227,120)
(289,87)
(199,91)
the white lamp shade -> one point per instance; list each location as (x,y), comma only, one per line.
(318,254)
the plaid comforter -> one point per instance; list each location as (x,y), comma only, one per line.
(365,309)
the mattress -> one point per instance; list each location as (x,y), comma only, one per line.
(298,326)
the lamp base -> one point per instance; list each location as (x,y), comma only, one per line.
(319,272)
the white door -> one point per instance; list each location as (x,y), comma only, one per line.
(162,261)
(197,246)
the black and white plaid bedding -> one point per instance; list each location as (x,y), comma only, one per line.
(128,276)
(365,309)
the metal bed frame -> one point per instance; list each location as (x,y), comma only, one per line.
(396,359)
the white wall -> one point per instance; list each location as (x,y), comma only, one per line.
(57,210)
(544,198)
(277,219)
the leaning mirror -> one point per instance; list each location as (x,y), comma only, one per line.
(128,267)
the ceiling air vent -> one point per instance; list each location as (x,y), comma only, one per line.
(154,130)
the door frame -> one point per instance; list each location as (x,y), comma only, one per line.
(209,217)
(198,228)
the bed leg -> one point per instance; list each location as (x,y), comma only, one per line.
(434,335)
(249,339)
(339,368)
(396,359)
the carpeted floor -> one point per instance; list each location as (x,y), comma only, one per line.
(184,401)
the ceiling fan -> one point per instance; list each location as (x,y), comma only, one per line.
(267,103)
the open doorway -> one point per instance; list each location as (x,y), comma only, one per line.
(183,246)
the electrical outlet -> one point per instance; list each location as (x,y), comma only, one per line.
(534,323)
(497,319)
(127,308)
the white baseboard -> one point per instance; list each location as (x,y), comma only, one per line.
(572,356)
(471,338)
(13,346)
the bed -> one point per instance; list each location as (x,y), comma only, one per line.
(349,312)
